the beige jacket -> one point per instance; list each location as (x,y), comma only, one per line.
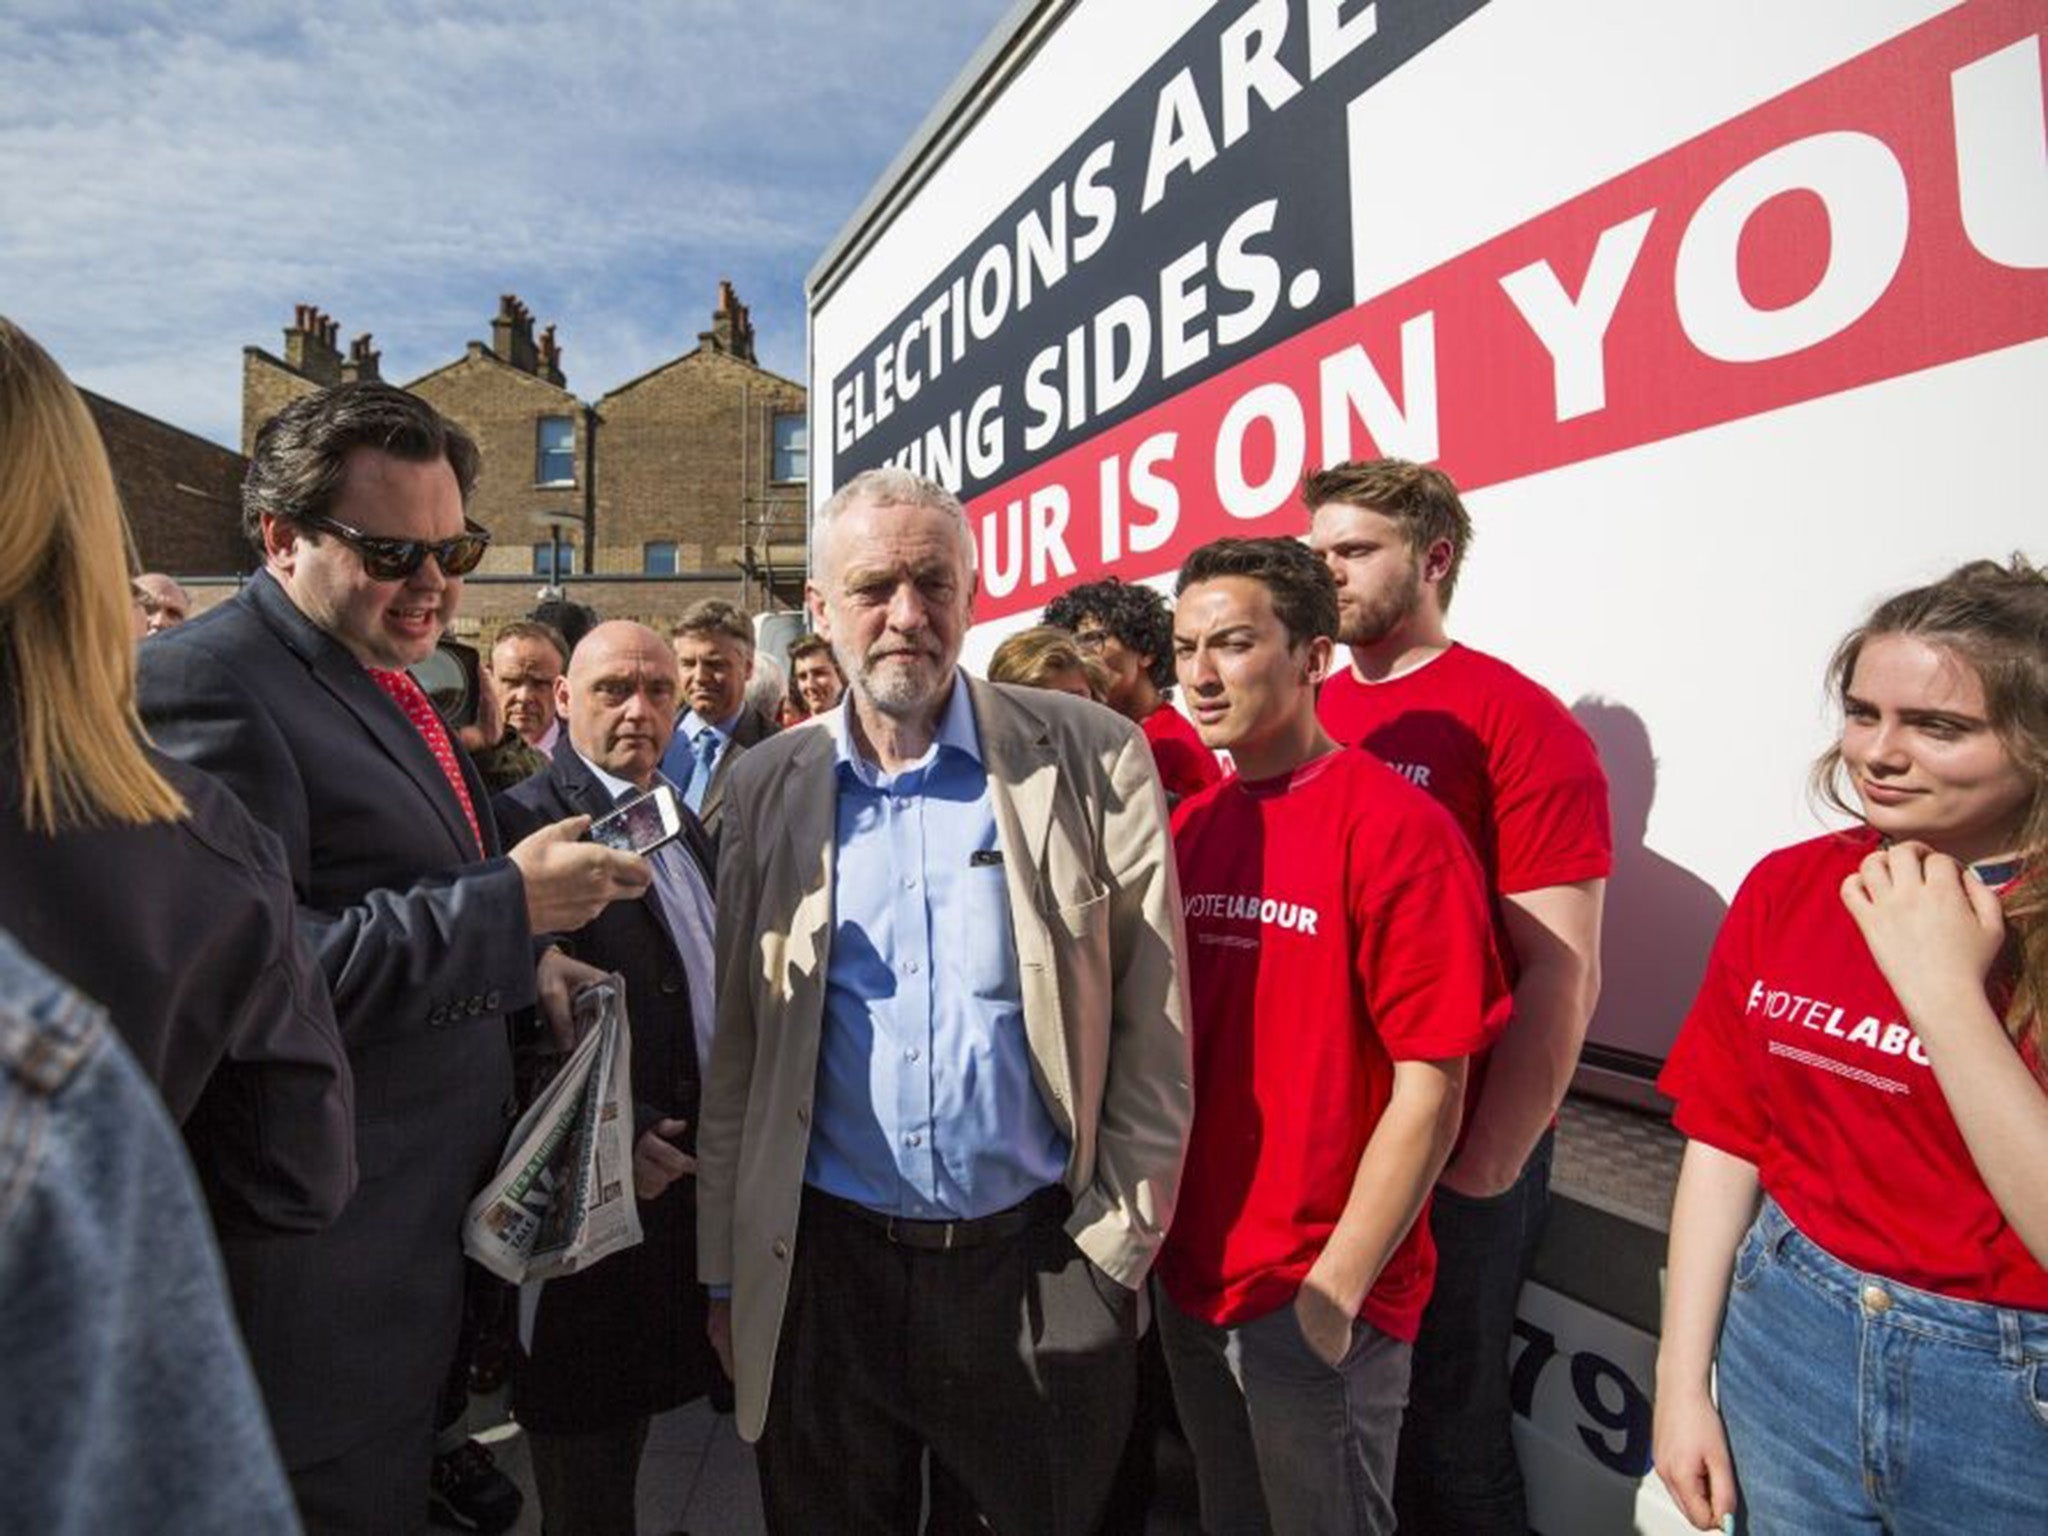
(1095,908)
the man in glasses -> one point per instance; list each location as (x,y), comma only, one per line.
(295,693)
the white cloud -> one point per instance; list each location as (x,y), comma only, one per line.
(172,182)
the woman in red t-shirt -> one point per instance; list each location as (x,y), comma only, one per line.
(1866,1054)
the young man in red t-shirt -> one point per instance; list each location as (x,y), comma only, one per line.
(1341,971)
(1522,779)
(1129,629)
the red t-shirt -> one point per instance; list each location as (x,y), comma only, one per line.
(1336,924)
(1186,767)
(1797,1058)
(1504,757)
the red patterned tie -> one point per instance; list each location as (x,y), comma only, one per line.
(419,709)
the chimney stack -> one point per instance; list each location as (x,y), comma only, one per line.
(362,362)
(550,352)
(512,333)
(310,345)
(731,330)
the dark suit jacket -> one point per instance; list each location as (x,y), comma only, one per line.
(750,730)
(425,945)
(624,1338)
(184,932)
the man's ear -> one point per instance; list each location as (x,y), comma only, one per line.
(562,697)
(814,602)
(1437,560)
(280,543)
(1320,651)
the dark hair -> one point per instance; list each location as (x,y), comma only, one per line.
(1423,500)
(1994,618)
(714,616)
(301,452)
(569,619)
(1137,616)
(533,629)
(811,645)
(1303,590)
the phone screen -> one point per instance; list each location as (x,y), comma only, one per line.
(639,826)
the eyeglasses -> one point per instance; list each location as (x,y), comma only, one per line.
(396,559)
(1091,641)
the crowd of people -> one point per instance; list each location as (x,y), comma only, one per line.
(1170,1027)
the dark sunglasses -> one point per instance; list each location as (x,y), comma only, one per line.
(396,559)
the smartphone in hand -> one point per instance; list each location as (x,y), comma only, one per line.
(642,824)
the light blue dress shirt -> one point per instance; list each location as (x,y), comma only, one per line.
(685,899)
(925,1105)
(683,765)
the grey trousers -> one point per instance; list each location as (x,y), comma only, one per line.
(1284,1444)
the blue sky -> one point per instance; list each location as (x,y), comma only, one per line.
(175,178)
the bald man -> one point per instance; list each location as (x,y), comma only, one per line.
(164,603)
(616,1344)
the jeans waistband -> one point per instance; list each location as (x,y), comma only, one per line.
(2008,1332)
(1050,1204)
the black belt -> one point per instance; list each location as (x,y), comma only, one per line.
(1051,1203)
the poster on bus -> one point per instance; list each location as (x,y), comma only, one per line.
(1729,319)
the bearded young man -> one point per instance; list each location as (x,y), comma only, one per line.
(1523,781)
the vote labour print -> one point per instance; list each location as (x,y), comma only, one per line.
(1798,1058)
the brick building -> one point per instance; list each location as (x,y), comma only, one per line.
(182,493)
(686,482)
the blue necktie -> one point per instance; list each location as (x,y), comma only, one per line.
(705,750)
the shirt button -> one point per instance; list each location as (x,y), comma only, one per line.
(910,882)
(803,1115)
(780,1249)
(911,1054)
(912,1139)
(910,966)
(1876,1299)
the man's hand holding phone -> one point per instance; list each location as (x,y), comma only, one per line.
(569,880)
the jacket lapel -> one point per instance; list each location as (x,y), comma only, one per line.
(337,671)
(1023,775)
(810,807)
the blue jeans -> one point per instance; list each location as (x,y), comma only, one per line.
(1284,1444)
(1457,1474)
(126,1399)
(1856,1404)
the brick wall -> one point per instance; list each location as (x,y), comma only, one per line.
(269,384)
(686,453)
(501,407)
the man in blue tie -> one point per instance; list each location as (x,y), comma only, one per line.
(714,648)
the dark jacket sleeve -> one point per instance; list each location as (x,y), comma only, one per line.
(398,958)
(276,1121)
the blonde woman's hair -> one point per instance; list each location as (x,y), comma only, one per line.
(67,637)
(1035,656)
(1992,616)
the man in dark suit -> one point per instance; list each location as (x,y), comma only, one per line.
(294,693)
(714,645)
(624,1340)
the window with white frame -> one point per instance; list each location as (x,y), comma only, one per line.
(555,454)
(792,446)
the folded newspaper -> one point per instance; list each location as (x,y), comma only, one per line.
(563,1197)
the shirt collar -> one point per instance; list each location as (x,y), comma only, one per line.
(615,787)
(694,725)
(957,730)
